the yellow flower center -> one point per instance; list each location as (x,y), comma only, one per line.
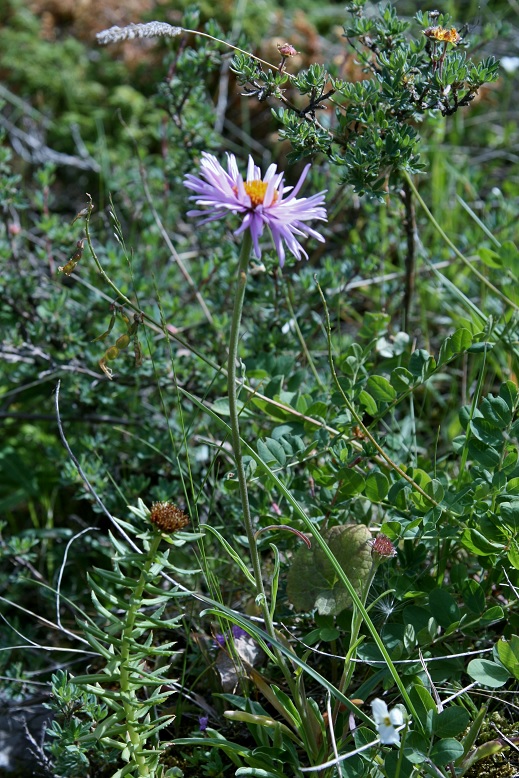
(256,191)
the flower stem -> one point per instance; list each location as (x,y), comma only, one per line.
(261,598)
(234,339)
(127,694)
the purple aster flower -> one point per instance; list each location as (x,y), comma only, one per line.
(261,201)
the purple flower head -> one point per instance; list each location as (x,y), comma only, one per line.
(261,202)
(236,632)
(203,721)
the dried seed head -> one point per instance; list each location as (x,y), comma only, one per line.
(382,548)
(167,517)
(132,31)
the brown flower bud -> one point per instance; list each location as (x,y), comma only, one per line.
(167,517)
(382,548)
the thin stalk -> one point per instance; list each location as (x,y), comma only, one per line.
(458,253)
(127,695)
(234,339)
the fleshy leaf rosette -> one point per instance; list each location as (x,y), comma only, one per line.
(312,581)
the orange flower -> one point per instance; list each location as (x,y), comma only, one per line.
(442,34)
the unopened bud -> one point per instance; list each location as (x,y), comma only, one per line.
(287,50)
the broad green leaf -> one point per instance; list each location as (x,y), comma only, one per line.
(508,392)
(508,653)
(483,454)
(421,364)
(474,596)
(416,747)
(446,751)
(496,411)
(509,512)
(395,765)
(376,488)
(352,483)
(475,541)
(488,673)
(272,451)
(312,581)
(509,256)
(450,722)
(380,388)
(513,555)
(368,402)
(492,615)
(456,343)
(486,431)
(401,379)
(512,487)
(423,703)
(490,257)
(443,607)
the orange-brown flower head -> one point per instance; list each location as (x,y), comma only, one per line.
(382,548)
(167,517)
(442,34)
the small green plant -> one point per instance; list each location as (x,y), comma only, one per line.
(135,679)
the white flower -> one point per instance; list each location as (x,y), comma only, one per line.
(386,722)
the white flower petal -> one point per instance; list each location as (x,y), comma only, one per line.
(380,711)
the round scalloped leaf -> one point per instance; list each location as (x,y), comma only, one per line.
(312,581)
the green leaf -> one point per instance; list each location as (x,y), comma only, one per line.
(488,673)
(474,596)
(443,607)
(328,634)
(492,615)
(377,485)
(475,541)
(508,653)
(394,765)
(446,751)
(496,411)
(508,392)
(368,402)
(423,703)
(351,483)
(380,388)
(456,343)
(509,255)
(401,379)
(483,454)
(486,431)
(490,257)
(272,451)
(509,512)
(421,364)
(450,722)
